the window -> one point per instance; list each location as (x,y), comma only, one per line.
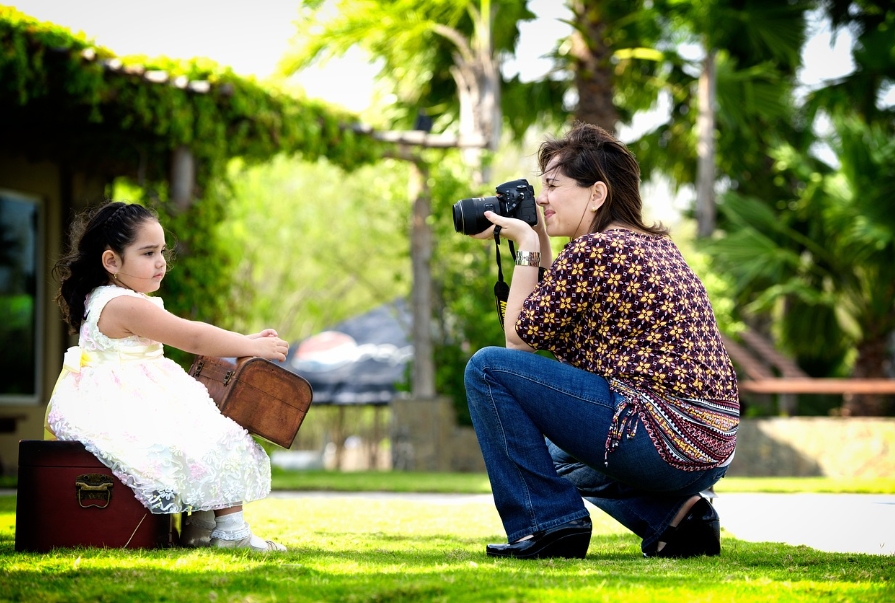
(21,289)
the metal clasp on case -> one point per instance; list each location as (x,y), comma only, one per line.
(199,366)
(227,377)
(94,490)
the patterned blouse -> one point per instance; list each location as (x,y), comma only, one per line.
(627,307)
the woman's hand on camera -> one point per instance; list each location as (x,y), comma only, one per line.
(541,227)
(515,230)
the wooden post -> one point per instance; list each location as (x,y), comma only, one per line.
(183,178)
(377,435)
(423,375)
(339,439)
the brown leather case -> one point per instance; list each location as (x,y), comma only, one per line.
(67,498)
(266,399)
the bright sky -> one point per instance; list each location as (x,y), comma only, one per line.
(251,37)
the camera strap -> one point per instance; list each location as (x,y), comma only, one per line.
(501,289)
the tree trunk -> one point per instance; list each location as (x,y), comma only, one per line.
(423,374)
(478,88)
(471,125)
(872,356)
(705,149)
(593,70)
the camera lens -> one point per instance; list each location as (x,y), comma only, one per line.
(469,214)
(458,216)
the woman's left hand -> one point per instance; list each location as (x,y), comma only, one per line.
(513,229)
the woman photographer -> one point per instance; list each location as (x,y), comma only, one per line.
(641,411)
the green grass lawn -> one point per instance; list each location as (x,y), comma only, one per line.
(477,483)
(374,549)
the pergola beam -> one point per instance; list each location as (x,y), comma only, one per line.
(818,386)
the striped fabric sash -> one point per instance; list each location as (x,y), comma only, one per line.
(689,434)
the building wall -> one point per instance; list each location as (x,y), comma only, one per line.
(60,192)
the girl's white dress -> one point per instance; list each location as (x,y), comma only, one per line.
(152,424)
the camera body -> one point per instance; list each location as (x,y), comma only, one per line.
(515,199)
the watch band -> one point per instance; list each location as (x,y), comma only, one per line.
(528,258)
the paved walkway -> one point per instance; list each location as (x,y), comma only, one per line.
(837,523)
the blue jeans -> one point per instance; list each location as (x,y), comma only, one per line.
(542,426)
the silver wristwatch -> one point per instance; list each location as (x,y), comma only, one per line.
(528,258)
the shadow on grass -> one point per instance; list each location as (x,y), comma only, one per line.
(428,568)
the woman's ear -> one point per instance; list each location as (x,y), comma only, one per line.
(111,262)
(599,193)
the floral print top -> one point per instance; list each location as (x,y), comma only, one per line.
(626,306)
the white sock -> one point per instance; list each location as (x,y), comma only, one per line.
(233,527)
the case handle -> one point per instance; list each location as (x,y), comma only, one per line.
(94,490)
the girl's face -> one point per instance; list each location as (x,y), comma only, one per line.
(567,207)
(143,264)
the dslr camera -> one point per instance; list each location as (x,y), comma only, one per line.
(515,199)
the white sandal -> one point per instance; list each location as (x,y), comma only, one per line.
(246,543)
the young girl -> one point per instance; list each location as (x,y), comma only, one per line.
(140,413)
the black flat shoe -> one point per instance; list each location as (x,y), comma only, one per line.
(699,533)
(569,540)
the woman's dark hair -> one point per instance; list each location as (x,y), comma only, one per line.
(110,226)
(589,154)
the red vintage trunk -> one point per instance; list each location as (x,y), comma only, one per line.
(67,498)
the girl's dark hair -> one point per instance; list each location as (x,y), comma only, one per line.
(589,154)
(110,226)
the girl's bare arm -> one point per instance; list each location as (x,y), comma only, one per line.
(125,316)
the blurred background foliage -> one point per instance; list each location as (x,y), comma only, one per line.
(803,247)
(290,236)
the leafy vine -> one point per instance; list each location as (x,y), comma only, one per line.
(63,98)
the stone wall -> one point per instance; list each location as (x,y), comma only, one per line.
(425,437)
(815,446)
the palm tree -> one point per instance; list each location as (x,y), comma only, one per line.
(590,60)
(439,57)
(826,258)
(727,102)
(603,58)
(823,253)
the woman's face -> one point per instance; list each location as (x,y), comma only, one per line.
(143,264)
(566,206)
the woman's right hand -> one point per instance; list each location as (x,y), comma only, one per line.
(541,228)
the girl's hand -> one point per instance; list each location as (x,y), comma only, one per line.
(264,333)
(270,347)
